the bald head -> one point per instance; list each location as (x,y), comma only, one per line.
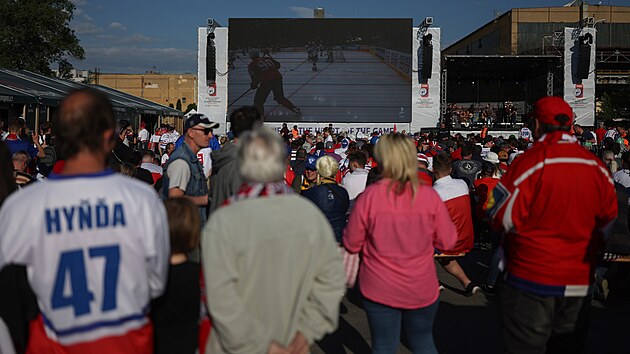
(85,122)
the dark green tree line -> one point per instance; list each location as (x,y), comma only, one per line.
(36,33)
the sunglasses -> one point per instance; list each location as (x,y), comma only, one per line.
(206,131)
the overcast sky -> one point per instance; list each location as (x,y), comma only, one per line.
(133,36)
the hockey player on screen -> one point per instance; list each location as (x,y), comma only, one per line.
(312,51)
(265,79)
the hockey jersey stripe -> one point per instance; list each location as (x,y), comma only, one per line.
(559,160)
(93,326)
(547,290)
(508,224)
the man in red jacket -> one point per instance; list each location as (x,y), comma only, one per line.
(554,205)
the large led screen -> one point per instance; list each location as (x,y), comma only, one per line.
(321,70)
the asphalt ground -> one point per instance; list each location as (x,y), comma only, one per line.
(472,325)
(361,89)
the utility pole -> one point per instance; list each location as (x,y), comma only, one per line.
(583,12)
(95,73)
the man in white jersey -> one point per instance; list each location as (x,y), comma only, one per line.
(96,243)
(143,136)
(525,133)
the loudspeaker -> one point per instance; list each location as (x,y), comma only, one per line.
(584,59)
(427,61)
(427,57)
(211,60)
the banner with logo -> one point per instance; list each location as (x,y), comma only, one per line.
(425,93)
(579,93)
(212,95)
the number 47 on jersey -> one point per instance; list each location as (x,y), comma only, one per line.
(72,266)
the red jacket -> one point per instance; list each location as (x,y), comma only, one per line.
(600,132)
(455,195)
(424,176)
(553,203)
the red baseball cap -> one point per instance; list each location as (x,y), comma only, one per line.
(549,108)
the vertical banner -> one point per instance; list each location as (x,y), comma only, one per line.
(579,93)
(212,95)
(425,91)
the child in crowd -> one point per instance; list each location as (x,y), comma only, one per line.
(175,314)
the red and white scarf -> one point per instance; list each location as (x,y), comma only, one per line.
(259,190)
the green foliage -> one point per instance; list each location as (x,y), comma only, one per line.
(178,105)
(36,33)
(171,105)
(615,103)
(191,107)
(65,69)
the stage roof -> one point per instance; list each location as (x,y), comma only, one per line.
(499,66)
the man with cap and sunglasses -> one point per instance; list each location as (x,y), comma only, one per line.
(183,174)
(309,178)
(552,235)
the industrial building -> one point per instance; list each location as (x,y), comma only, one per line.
(164,89)
(518,56)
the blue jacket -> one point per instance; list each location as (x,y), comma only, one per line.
(197,185)
(333,201)
(214,143)
(179,142)
(21,145)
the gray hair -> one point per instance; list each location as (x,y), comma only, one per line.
(21,157)
(262,156)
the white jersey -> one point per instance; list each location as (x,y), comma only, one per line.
(525,133)
(143,135)
(206,160)
(168,138)
(164,159)
(355,182)
(96,248)
(623,177)
(611,133)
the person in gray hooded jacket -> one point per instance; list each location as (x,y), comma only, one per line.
(269,288)
(226,178)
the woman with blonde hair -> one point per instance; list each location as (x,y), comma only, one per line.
(396,224)
(332,199)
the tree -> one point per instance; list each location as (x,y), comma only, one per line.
(36,33)
(191,107)
(178,105)
(171,105)
(614,103)
(65,69)
(607,109)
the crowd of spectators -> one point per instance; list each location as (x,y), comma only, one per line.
(245,265)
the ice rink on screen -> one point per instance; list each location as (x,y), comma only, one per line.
(361,89)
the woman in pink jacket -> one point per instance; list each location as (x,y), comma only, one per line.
(396,224)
